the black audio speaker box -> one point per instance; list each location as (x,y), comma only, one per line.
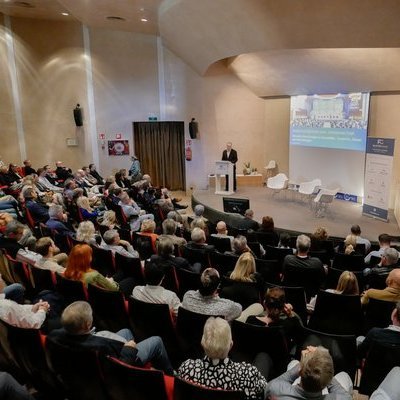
(78,116)
(193,128)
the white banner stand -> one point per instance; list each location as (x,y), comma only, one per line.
(223,168)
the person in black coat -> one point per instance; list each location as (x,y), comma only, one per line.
(230,155)
(77,332)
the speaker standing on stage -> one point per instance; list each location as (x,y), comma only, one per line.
(230,155)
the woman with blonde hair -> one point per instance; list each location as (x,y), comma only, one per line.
(245,269)
(86,210)
(350,244)
(79,269)
(110,219)
(147,229)
(86,233)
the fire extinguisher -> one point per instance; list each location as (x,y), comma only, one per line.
(188,153)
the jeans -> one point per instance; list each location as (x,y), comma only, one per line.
(10,389)
(15,292)
(153,350)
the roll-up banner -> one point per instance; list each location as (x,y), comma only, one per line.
(378,175)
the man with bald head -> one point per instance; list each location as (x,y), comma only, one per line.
(390,293)
(230,155)
(222,232)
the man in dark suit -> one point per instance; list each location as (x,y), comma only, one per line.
(389,335)
(77,332)
(230,155)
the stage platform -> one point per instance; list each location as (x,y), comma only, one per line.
(291,213)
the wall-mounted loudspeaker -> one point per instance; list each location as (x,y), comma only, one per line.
(193,128)
(78,115)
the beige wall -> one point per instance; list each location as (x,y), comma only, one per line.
(52,79)
(125,82)
(9,150)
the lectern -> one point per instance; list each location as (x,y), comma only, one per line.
(223,168)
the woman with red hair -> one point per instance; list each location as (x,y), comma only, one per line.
(79,269)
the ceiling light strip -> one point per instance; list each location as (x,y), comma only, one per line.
(90,95)
(14,87)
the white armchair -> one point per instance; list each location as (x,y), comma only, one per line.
(278,182)
(322,201)
(308,189)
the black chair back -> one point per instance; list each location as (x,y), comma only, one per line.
(378,314)
(109,309)
(184,390)
(196,256)
(255,248)
(143,245)
(380,360)
(333,276)
(352,262)
(267,238)
(221,244)
(130,267)
(125,382)
(43,279)
(79,371)
(189,327)
(277,253)
(103,261)
(63,242)
(188,280)
(342,348)
(270,270)
(337,314)
(321,255)
(224,263)
(249,340)
(71,290)
(244,293)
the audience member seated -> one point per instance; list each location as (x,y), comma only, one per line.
(95,174)
(110,184)
(315,371)
(51,259)
(38,212)
(165,258)
(388,389)
(79,269)
(86,233)
(284,242)
(247,223)
(320,235)
(5,218)
(133,212)
(268,226)
(245,271)
(13,174)
(216,370)
(279,313)
(8,205)
(12,242)
(110,220)
(27,168)
(86,210)
(350,244)
(58,221)
(62,172)
(14,291)
(169,227)
(26,316)
(390,293)
(207,301)
(222,232)
(295,265)
(113,242)
(45,183)
(121,179)
(198,215)
(10,389)
(89,177)
(389,335)
(240,247)
(147,229)
(77,333)
(384,243)
(153,292)
(356,230)
(376,276)
(198,241)
(347,285)
(163,201)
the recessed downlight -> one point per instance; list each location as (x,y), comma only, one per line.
(144,19)
(65,14)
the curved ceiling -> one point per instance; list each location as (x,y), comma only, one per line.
(275,47)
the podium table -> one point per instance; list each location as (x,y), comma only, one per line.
(223,168)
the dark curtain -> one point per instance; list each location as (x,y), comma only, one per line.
(160,147)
